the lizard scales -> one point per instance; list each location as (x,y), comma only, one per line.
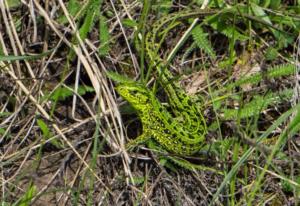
(157,122)
(182,131)
(184,108)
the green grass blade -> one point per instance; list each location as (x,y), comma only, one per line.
(247,154)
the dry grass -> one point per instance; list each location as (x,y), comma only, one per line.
(72,150)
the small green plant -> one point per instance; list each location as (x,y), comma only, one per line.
(275,72)
(257,104)
(104,36)
(27,197)
(200,38)
(288,187)
(47,134)
(62,93)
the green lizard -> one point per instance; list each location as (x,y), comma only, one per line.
(157,122)
(183,130)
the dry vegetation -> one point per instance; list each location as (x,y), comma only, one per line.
(63,128)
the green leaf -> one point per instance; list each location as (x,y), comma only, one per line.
(24,57)
(227,62)
(200,37)
(271,54)
(258,104)
(104,37)
(288,187)
(73,8)
(265,3)
(255,1)
(87,25)
(275,72)
(162,6)
(118,78)
(259,12)
(2,131)
(47,134)
(229,31)
(129,23)
(89,14)
(275,4)
(5,114)
(83,89)
(13,3)
(62,93)
(283,39)
(137,180)
(43,126)
(27,197)
(199,2)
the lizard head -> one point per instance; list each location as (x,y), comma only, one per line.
(137,95)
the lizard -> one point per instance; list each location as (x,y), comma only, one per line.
(157,122)
(181,132)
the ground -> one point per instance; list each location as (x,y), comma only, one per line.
(64,128)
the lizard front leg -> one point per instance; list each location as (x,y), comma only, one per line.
(137,141)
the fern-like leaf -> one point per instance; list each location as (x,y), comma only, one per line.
(118,78)
(230,31)
(257,104)
(92,12)
(73,8)
(200,37)
(275,72)
(104,36)
(188,51)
